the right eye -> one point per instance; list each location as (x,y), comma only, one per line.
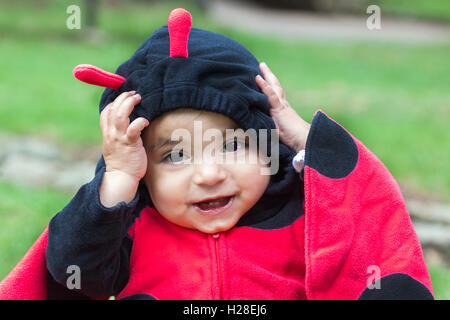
(233,145)
(175,156)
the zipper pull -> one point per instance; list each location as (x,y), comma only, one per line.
(216,235)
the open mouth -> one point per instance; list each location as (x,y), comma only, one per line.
(214,206)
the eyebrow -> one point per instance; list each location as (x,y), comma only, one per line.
(168,142)
(162,143)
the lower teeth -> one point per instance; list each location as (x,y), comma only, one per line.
(213,204)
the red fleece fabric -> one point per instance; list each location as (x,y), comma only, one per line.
(351,225)
(241,263)
(96,76)
(27,281)
(364,223)
(179,23)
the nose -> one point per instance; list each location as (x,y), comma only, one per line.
(209,173)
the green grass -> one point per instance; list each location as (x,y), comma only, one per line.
(433,10)
(440,279)
(394,97)
(24,214)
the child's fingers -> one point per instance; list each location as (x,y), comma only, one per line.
(271,79)
(135,128)
(116,103)
(123,111)
(104,115)
(274,99)
(268,74)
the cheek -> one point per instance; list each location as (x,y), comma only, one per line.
(252,181)
(165,188)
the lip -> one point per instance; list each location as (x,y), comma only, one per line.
(215,210)
(213,198)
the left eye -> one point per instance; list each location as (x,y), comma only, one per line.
(175,156)
(233,145)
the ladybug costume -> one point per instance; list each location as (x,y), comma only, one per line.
(331,231)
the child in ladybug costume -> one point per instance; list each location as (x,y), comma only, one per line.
(328,223)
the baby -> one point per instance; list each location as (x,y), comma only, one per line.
(186,218)
(179,188)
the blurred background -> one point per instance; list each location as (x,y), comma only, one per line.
(384,75)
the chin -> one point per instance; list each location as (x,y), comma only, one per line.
(215,228)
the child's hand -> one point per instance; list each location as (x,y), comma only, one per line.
(292,128)
(123,150)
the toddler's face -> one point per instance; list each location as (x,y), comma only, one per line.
(183,175)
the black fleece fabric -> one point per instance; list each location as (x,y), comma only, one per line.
(218,76)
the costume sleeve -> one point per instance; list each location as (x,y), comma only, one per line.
(93,238)
(359,239)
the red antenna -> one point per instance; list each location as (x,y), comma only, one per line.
(96,76)
(180,23)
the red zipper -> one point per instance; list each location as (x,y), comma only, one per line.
(219,269)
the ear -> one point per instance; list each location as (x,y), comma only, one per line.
(96,76)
